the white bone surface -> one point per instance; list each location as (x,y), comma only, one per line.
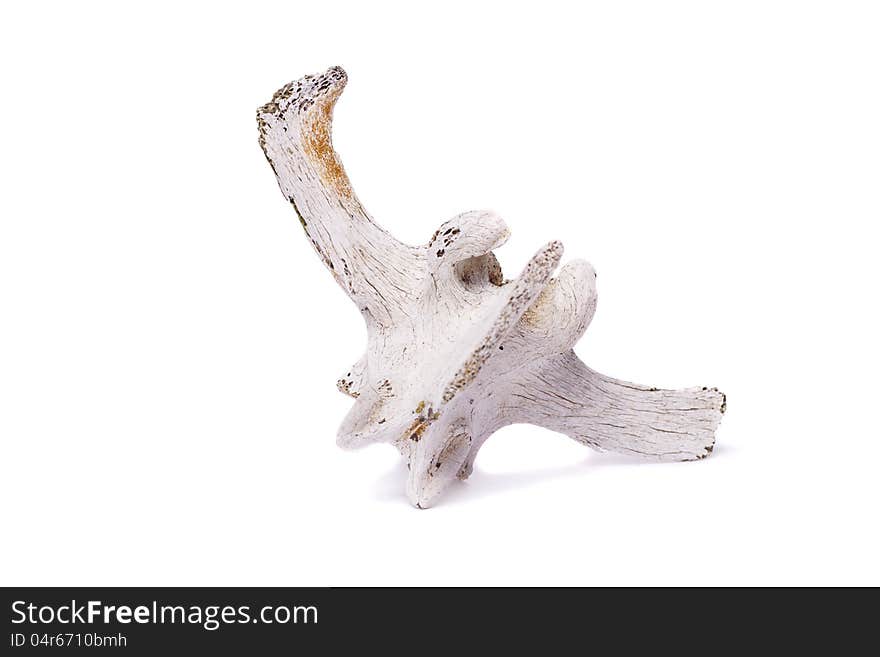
(455,351)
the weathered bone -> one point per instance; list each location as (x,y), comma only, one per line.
(454,351)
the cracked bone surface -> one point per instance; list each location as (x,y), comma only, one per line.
(454,350)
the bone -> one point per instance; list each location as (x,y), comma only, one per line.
(454,351)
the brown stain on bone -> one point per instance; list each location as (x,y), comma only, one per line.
(493,267)
(422,422)
(318,145)
(542,311)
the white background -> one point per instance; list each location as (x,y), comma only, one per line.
(169,343)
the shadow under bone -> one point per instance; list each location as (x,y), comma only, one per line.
(482,484)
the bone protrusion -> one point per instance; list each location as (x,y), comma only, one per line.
(562,312)
(611,415)
(514,301)
(465,236)
(436,462)
(366,261)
